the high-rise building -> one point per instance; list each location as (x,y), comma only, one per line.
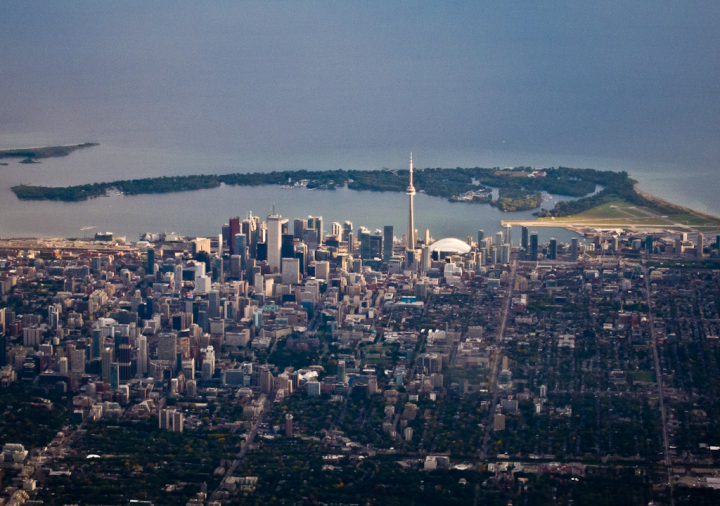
(114,376)
(411,212)
(142,360)
(499,239)
(213,304)
(387,242)
(288,425)
(265,381)
(151,261)
(178,278)
(364,240)
(240,248)
(167,347)
(376,245)
(347,231)
(290,271)
(508,235)
(700,245)
(316,223)
(533,246)
(107,358)
(299,226)
(274,241)
(481,236)
(234,230)
(341,371)
(552,249)
(524,239)
(336,229)
(574,249)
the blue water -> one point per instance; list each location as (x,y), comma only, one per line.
(184,88)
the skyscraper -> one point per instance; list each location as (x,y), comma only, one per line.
(234,230)
(151,261)
(387,242)
(552,249)
(274,241)
(411,213)
(533,246)
(524,239)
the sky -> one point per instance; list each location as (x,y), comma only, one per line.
(636,80)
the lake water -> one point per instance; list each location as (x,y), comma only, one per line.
(170,88)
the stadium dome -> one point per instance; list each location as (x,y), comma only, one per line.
(450,245)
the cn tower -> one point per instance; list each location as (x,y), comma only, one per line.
(411,215)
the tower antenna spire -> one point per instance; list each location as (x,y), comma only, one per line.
(411,213)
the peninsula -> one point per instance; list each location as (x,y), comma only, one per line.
(617,205)
(32,154)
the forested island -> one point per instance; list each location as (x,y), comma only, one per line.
(32,154)
(520,188)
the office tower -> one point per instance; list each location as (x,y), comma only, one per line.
(274,238)
(77,361)
(351,244)
(388,242)
(492,255)
(700,245)
(287,248)
(552,249)
(3,349)
(217,269)
(97,343)
(151,261)
(107,359)
(411,211)
(649,244)
(114,376)
(508,235)
(524,242)
(265,381)
(167,347)
(261,252)
(533,246)
(574,249)
(240,247)
(426,258)
(322,270)
(290,271)
(481,236)
(225,235)
(234,230)
(288,425)
(123,357)
(316,223)
(142,360)
(336,229)
(341,371)
(213,304)
(347,231)
(299,226)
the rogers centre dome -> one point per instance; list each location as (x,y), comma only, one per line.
(450,245)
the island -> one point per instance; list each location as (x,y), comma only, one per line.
(30,155)
(604,199)
(520,187)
